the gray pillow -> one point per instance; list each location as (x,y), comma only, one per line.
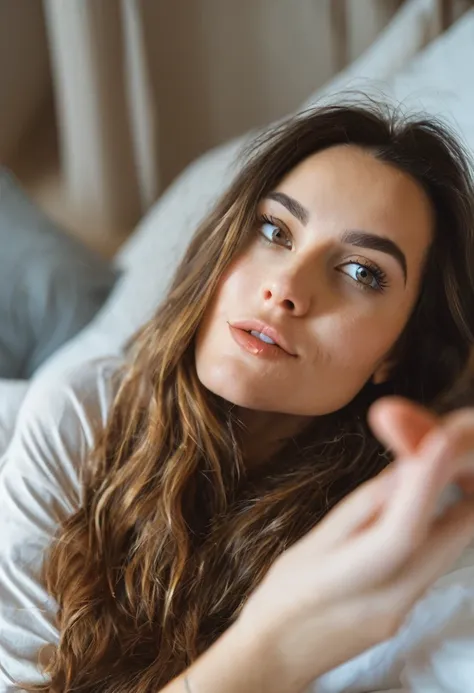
(51,285)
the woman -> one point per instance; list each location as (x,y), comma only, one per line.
(336,269)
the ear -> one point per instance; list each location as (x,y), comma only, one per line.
(383,371)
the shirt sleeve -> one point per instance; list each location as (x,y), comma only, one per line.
(39,488)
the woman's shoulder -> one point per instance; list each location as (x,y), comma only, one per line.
(59,420)
(85,391)
(40,487)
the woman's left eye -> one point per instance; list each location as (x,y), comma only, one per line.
(367,276)
(269,230)
(370,277)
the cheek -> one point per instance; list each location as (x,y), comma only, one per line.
(228,303)
(236,288)
(353,343)
(239,274)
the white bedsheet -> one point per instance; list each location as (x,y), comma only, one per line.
(434,651)
(40,486)
(12,393)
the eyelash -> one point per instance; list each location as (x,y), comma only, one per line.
(378,274)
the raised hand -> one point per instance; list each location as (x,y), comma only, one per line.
(350,582)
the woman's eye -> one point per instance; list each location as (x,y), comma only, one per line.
(272,233)
(367,277)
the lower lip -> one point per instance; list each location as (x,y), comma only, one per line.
(255,346)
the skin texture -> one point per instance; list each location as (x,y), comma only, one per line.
(313,290)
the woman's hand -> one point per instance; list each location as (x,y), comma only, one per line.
(352,580)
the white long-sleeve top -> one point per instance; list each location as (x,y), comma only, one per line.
(40,486)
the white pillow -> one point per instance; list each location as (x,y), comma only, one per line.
(12,393)
(437,82)
(440,81)
(415,24)
(152,253)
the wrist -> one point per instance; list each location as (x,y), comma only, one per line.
(264,645)
(242,660)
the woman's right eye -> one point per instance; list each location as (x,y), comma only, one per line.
(269,230)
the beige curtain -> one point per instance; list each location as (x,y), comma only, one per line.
(102,52)
(107,117)
(142,87)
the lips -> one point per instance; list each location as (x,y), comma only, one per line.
(263,328)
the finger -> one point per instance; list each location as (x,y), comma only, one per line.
(458,425)
(401,424)
(449,537)
(416,490)
(357,510)
(380,564)
(421,480)
(409,498)
(458,430)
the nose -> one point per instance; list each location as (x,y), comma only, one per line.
(288,292)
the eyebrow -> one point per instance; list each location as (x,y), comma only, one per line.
(361,239)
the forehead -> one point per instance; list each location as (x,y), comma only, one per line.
(346,187)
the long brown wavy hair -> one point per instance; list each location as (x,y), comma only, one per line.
(174,531)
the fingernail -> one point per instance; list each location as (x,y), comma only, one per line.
(437,448)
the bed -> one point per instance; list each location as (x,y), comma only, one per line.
(422,59)
(435,18)
(417,59)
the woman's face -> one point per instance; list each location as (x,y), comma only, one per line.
(334,267)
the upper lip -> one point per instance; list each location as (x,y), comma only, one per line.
(264,328)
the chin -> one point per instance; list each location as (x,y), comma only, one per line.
(238,394)
(236,387)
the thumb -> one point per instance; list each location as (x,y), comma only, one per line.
(401,424)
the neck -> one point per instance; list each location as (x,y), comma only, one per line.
(263,434)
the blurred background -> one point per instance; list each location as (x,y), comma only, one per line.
(104,102)
(120,126)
